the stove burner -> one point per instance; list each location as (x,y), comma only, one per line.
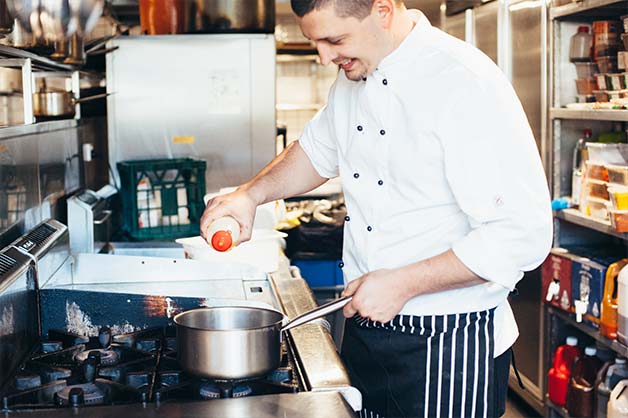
(51,346)
(27,381)
(84,394)
(107,357)
(215,391)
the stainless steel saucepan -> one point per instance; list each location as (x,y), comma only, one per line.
(58,103)
(235,342)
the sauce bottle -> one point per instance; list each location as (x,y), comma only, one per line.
(558,376)
(581,393)
(223,233)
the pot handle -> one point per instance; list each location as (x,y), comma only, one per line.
(94,97)
(317,313)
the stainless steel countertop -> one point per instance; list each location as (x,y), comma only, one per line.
(292,405)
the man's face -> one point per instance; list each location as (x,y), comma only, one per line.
(355,46)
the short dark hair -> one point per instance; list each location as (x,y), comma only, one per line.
(344,8)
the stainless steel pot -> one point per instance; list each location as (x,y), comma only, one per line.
(58,103)
(235,342)
(231,16)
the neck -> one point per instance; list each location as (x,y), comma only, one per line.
(402,26)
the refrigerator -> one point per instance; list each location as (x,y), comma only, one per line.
(209,97)
(514,34)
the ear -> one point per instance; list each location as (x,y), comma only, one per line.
(384,10)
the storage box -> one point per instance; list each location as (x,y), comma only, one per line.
(162,199)
(320,273)
(262,251)
(596,171)
(586,70)
(597,189)
(596,208)
(618,174)
(607,64)
(586,85)
(557,268)
(607,153)
(619,220)
(619,196)
(587,286)
(616,81)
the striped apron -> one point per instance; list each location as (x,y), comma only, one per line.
(426,366)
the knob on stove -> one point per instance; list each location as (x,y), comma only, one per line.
(76,397)
(90,366)
(104,337)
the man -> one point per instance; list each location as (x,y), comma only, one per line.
(447,206)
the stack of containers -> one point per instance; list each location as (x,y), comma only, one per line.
(611,80)
(581,54)
(605,191)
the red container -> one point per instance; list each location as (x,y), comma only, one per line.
(558,376)
(557,268)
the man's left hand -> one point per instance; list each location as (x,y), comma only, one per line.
(378,295)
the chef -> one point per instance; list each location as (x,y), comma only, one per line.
(447,206)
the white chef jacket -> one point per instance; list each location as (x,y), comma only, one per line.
(435,152)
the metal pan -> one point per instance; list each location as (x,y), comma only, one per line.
(235,342)
(58,103)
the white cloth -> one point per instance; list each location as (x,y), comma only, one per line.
(435,152)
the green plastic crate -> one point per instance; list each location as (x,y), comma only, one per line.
(162,199)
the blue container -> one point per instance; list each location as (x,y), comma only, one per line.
(320,273)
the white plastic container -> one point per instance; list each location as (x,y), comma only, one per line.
(622,306)
(618,401)
(607,153)
(262,251)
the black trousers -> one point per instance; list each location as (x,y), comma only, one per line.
(427,366)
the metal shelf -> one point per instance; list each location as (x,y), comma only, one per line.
(601,114)
(37,61)
(575,217)
(590,10)
(614,345)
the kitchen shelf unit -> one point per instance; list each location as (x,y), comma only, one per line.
(565,128)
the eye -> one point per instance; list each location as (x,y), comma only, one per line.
(335,41)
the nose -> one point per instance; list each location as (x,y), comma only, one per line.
(325,53)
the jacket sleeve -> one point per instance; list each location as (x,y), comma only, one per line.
(318,140)
(495,172)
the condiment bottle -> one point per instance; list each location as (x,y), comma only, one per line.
(223,233)
(558,376)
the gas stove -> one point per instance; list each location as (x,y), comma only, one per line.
(70,370)
(92,335)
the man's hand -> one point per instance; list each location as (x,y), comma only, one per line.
(378,295)
(240,205)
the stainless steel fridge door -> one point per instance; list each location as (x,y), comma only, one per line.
(485,24)
(523,56)
(210,97)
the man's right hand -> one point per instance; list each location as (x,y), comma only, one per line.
(239,204)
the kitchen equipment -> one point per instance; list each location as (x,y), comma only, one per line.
(26,12)
(235,343)
(85,14)
(19,37)
(76,51)
(58,103)
(222,16)
(162,17)
(263,250)
(89,222)
(55,19)
(77,355)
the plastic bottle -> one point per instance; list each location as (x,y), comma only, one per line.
(618,403)
(579,156)
(581,393)
(558,376)
(608,315)
(581,45)
(223,233)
